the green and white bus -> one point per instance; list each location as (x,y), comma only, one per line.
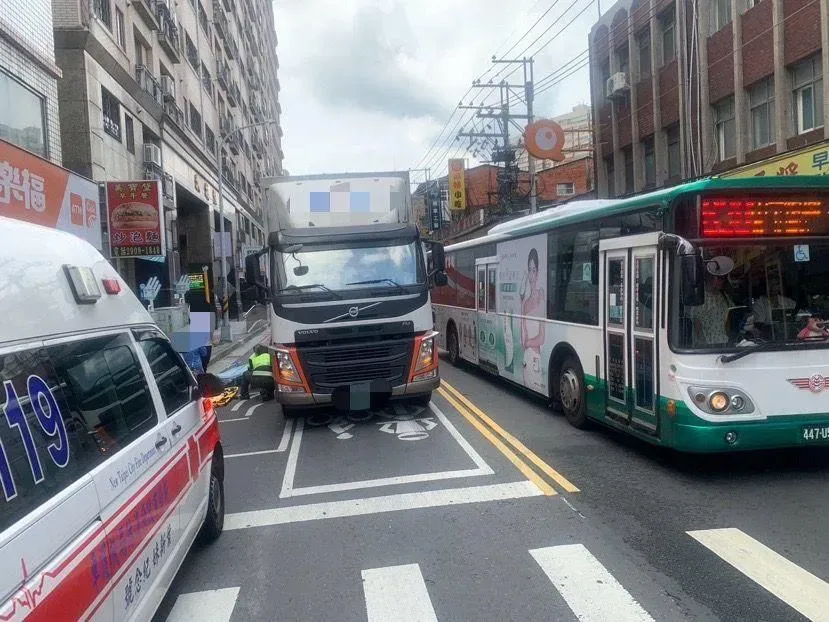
(694,317)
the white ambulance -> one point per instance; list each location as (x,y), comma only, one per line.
(110,458)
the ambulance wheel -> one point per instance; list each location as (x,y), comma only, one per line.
(214,521)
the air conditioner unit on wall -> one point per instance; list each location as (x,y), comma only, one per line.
(152,154)
(616,84)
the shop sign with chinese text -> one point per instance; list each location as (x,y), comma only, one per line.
(37,191)
(135,227)
(457,184)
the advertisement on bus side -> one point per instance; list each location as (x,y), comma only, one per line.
(522,296)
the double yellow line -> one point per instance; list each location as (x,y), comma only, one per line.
(480,420)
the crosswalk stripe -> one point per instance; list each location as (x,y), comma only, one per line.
(591,592)
(212,605)
(397,593)
(795,586)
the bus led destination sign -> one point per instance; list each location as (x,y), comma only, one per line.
(731,217)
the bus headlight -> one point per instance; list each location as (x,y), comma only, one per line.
(721,401)
(718,401)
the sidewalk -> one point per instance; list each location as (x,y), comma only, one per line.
(226,354)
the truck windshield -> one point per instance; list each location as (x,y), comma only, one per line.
(757,293)
(387,267)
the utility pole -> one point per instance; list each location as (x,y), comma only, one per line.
(508,176)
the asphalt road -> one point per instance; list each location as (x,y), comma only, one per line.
(489,506)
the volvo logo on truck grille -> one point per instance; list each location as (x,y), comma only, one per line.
(352,312)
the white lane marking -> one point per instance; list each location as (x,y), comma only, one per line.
(234,419)
(385,481)
(591,592)
(482,468)
(244,454)
(293,457)
(213,605)
(796,587)
(397,593)
(238,405)
(250,410)
(286,435)
(377,505)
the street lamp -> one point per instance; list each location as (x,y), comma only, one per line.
(220,165)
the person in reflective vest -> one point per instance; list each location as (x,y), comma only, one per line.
(259,375)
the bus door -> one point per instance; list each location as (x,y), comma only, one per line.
(487,321)
(630,330)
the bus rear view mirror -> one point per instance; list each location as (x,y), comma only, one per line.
(441,279)
(692,273)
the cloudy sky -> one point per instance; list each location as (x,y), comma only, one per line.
(369,84)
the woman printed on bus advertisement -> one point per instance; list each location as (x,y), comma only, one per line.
(533,301)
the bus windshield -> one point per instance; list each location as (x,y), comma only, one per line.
(757,292)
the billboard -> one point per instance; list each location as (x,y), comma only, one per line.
(813,160)
(457,184)
(37,191)
(135,212)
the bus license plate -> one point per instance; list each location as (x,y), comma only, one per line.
(816,433)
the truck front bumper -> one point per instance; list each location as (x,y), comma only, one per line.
(313,400)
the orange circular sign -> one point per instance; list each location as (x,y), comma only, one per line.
(544,140)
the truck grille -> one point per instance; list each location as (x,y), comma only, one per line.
(330,366)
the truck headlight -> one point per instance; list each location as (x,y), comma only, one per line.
(424,365)
(286,370)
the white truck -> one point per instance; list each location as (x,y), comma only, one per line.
(349,304)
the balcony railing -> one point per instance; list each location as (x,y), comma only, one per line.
(233,95)
(230,46)
(174,113)
(169,36)
(220,20)
(144,8)
(148,83)
(223,73)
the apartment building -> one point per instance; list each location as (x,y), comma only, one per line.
(692,87)
(29,78)
(161,89)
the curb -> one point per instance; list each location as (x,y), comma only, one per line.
(235,351)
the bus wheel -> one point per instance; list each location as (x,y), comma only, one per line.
(454,347)
(571,392)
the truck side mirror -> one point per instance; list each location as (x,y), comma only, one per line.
(253,271)
(438,257)
(692,274)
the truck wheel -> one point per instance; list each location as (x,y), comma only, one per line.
(453,346)
(214,521)
(571,394)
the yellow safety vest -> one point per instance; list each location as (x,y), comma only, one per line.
(261,365)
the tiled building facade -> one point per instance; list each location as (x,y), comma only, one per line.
(683,88)
(29,78)
(150,90)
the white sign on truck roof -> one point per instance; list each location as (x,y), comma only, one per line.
(339,200)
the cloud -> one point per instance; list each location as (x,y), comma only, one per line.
(372,67)
(368,84)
